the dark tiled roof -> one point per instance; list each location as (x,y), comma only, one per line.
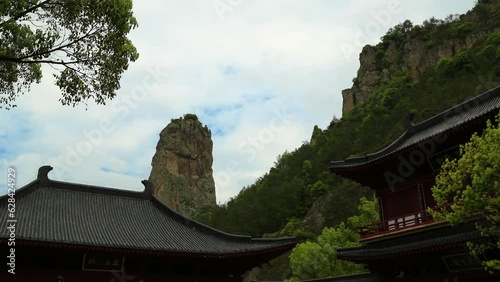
(442,238)
(365,277)
(463,113)
(67,213)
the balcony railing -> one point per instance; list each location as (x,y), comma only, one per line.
(396,224)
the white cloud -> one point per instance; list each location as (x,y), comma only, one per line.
(265,56)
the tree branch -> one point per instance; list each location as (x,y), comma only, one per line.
(25,12)
(58,48)
(22,61)
(76,70)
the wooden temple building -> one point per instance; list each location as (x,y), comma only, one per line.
(67,232)
(408,244)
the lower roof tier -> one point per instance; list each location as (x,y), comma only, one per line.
(425,241)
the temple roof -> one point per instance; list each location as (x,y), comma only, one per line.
(49,211)
(443,238)
(466,112)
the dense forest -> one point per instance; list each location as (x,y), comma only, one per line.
(299,197)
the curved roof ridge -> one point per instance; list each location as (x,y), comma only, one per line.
(212,230)
(94,189)
(366,157)
(415,133)
(44,181)
(19,192)
(190,222)
(458,109)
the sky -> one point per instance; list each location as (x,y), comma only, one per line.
(260,74)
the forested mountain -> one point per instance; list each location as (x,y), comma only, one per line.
(452,60)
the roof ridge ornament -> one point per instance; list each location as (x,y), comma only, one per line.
(408,122)
(43,174)
(148,188)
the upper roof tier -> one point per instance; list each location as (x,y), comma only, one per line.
(49,211)
(455,117)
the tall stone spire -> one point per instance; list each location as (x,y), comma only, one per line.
(182,166)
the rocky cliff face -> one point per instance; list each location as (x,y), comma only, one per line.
(419,48)
(182,166)
(414,55)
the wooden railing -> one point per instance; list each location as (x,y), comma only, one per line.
(395,224)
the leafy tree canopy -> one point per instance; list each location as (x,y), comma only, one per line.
(313,260)
(470,186)
(85,41)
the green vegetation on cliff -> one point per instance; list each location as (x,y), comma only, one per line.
(299,197)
